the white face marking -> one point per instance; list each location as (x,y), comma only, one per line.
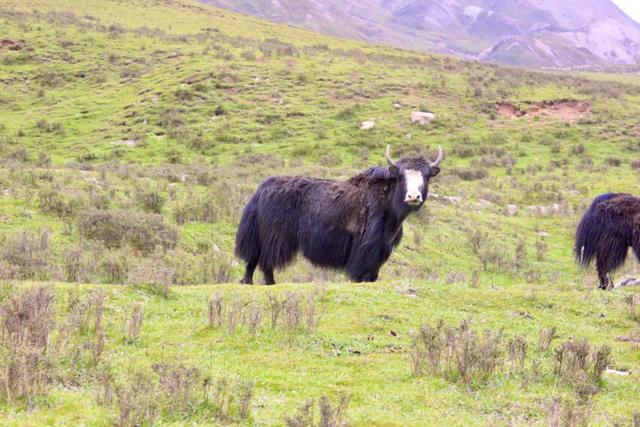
(415,183)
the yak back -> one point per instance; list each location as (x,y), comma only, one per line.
(621,206)
(337,204)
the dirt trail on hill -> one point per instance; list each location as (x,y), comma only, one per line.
(567,110)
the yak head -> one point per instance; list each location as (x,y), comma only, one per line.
(412,175)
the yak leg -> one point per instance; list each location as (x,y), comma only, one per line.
(603,274)
(268,276)
(248,274)
(610,258)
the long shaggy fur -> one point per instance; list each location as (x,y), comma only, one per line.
(606,231)
(352,225)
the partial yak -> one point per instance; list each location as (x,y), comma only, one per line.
(352,225)
(606,231)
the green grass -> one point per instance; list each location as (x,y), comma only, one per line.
(353,352)
(217,102)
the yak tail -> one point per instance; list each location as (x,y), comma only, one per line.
(591,232)
(248,237)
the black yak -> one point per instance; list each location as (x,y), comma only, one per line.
(606,231)
(352,225)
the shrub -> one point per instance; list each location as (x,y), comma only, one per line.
(546,336)
(291,311)
(137,401)
(25,255)
(51,201)
(632,307)
(115,228)
(581,366)
(468,355)
(134,324)
(470,173)
(151,200)
(249,55)
(27,321)
(330,415)
(78,263)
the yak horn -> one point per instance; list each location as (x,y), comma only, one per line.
(439,159)
(388,156)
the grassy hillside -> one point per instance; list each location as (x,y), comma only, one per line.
(120,117)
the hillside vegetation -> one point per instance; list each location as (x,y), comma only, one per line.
(133,133)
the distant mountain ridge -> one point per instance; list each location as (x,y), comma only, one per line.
(540,33)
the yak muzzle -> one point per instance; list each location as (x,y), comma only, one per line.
(413,199)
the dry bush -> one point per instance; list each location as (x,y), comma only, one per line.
(25,256)
(517,350)
(567,413)
(84,331)
(151,200)
(581,366)
(216,311)
(79,262)
(291,311)
(457,352)
(137,402)
(428,347)
(176,393)
(115,266)
(253,316)
(27,358)
(134,324)
(115,228)
(51,201)
(154,273)
(470,173)
(546,336)
(632,307)
(178,383)
(329,415)
(274,306)
(203,209)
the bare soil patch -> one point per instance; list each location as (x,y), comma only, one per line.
(10,44)
(567,110)
(506,109)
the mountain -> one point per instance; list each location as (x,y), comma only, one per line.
(541,33)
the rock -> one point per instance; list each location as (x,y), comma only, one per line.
(191,79)
(369,124)
(127,142)
(533,209)
(454,200)
(616,372)
(545,210)
(628,281)
(483,203)
(410,292)
(422,118)
(512,210)
(397,106)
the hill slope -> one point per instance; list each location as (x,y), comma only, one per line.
(120,118)
(549,33)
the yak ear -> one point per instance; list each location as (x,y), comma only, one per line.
(393,172)
(434,171)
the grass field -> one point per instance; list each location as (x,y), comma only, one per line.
(122,117)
